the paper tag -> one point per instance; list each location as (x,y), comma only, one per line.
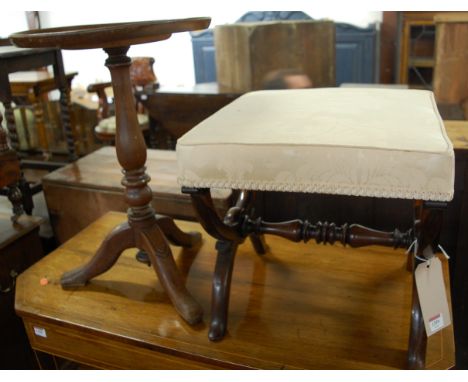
(41,332)
(432,297)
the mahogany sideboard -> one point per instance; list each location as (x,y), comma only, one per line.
(355,317)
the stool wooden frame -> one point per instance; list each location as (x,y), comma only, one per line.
(143,230)
(238,224)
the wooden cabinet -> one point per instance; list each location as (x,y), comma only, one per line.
(355,49)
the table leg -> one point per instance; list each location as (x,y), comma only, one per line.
(40,125)
(11,125)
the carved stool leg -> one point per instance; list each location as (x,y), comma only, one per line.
(160,256)
(428,224)
(259,244)
(119,239)
(221,288)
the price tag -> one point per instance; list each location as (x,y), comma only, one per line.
(432,297)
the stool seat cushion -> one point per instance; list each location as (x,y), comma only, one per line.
(365,142)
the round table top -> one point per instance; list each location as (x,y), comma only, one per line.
(106,35)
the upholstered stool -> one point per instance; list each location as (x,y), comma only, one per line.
(362,142)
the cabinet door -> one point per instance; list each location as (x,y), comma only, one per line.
(355,54)
(204,56)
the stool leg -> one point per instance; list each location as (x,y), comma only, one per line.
(428,224)
(221,288)
(259,243)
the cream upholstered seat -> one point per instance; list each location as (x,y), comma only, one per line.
(366,142)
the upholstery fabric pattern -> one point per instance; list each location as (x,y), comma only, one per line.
(365,142)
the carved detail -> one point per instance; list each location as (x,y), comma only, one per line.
(354,235)
(65,108)
(11,126)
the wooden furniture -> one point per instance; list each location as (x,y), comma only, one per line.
(296,130)
(20,247)
(30,90)
(14,59)
(10,173)
(416,48)
(174,111)
(356,48)
(141,75)
(352,318)
(83,191)
(246,53)
(451,59)
(143,229)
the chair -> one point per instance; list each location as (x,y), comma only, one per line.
(12,182)
(141,75)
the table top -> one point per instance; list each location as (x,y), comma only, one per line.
(34,76)
(9,232)
(106,35)
(13,51)
(342,308)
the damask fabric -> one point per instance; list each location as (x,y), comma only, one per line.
(366,142)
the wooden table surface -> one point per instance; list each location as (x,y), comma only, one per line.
(299,306)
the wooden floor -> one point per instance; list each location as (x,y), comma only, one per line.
(300,306)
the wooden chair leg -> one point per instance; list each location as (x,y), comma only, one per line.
(221,289)
(119,239)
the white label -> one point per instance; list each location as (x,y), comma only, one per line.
(432,297)
(41,332)
(436,323)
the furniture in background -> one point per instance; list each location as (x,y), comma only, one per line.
(174,111)
(29,90)
(141,76)
(10,174)
(356,48)
(143,229)
(358,162)
(247,52)
(20,247)
(81,192)
(13,59)
(358,321)
(416,49)
(451,59)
